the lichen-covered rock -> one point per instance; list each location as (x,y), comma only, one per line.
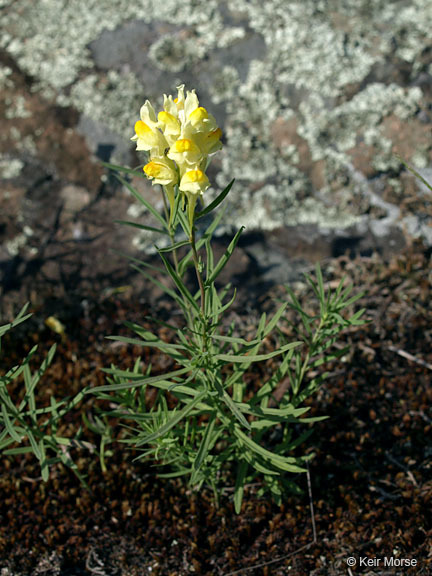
(315,99)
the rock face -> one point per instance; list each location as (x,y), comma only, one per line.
(315,100)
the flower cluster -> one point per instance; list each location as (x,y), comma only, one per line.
(179,141)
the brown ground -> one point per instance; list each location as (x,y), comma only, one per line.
(371,476)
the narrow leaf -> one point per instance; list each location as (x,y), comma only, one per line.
(117,168)
(205,443)
(9,425)
(257,357)
(174,246)
(125,385)
(140,226)
(277,460)
(173,421)
(224,259)
(215,202)
(235,410)
(178,282)
(142,200)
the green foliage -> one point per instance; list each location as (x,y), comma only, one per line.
(27,428)
(203,421)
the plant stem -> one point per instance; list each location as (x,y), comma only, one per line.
(311,350)
(198,271)
(171,232)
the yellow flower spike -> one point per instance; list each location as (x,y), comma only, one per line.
(180,139)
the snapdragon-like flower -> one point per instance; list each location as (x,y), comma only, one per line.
(179,140)
(161,170)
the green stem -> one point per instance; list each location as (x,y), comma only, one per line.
(311,350)
(198,271)
(171,233)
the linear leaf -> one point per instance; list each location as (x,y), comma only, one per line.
(173,421)
(19,318)
(277,460)
(215,202)
(18,451)
(140,226)
(117,168)
(34,445)
(235,409)
(205,443)
(257,357)
(253,460)
(142,200)
(125,385)
(164,346)
(9,425)
(224,259)
(276,317)
(416,174)
(175,246)
(200,243)
(178,282)
(232,339)
(43,461)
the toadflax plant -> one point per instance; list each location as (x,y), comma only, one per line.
(26,427)
(204,422)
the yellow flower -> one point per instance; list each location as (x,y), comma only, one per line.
(180,139)
(194,182)
(149,139)
(185,153)
(185,106)
(148,115)
(147,136)
(161,171)
(209,142)
(170,105)
(201,120)
(169,125)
